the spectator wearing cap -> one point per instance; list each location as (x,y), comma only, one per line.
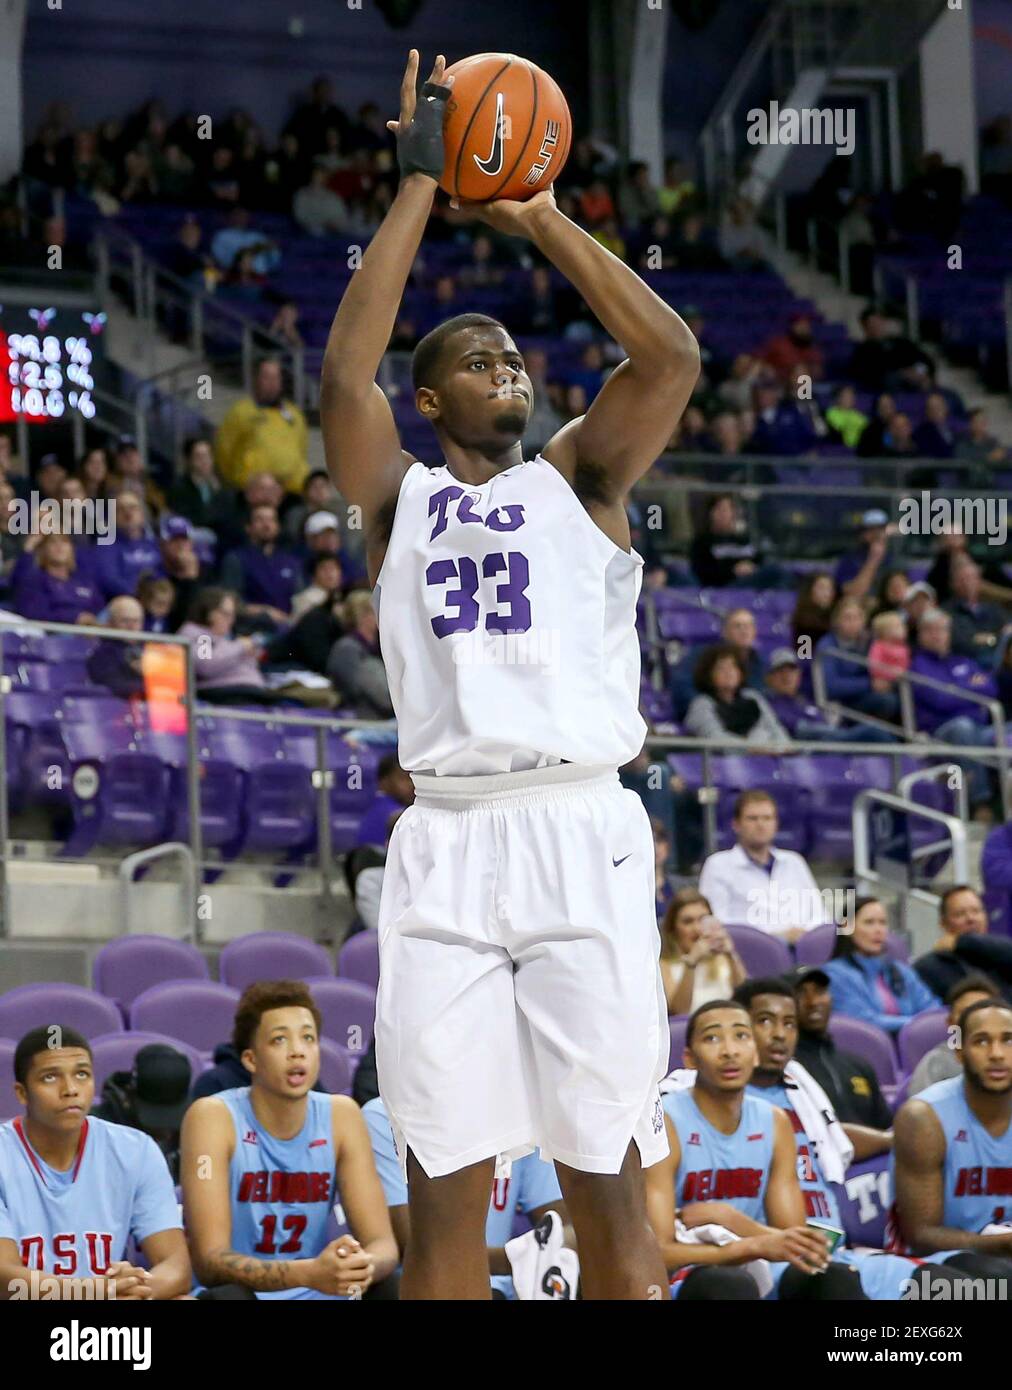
(117,665)
(803,720)
(326,585)
(847,1079)
(135,551)
(181,565)
(867,983)
(965,946)
(795,349)
(919,597)
(129,472)
(857,572)
(850,683)
(941,1062)
(976,624)
(152,1097)
(263,574)
(945,714)
(355,665)
(264,433)
(199,494)
(757,885)
(53,590)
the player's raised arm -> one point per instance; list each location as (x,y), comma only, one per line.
(363,450)
(634,415)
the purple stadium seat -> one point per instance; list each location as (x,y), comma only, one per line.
(336,1067)
(816,946)
(9,1103)
(920,1035)
(68,1006)
(116,1052)
(348,1009)
(271,955)
(677,1026)
(761,953)
(129,965)
(869,1042)
(198,1012)
(358,959)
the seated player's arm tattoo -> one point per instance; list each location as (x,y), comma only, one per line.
(262,1276)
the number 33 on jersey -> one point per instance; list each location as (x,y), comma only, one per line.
(507,624)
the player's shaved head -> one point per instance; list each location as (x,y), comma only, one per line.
(427,358)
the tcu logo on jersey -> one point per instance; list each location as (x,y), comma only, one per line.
(65,1255)
(507,518)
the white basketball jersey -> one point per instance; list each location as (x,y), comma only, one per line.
(508,626)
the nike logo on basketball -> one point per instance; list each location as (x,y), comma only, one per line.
(617,862)
(493,162)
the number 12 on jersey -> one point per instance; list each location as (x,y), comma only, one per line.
(507,607)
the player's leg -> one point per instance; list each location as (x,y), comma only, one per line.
(447,1051)
(619,1255)
(446,1255)
(592,1018)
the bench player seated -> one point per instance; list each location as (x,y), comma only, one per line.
(824,1147)
(732,1163)
(74,1189)
(263,1166)
(531,1188)
(952,1161)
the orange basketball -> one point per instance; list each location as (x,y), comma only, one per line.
(506,131)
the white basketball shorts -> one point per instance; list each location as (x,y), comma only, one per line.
(520,999)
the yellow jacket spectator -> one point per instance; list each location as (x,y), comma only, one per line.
(263,434)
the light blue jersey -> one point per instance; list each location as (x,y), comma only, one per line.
(282,1191)
(78,1222)
(531,1184)
(977,1176)
(718,1167)
(883,1276)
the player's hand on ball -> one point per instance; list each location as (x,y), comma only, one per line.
(343,1267)
(420,142)
(509,217)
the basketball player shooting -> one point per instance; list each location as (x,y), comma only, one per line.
(520,1001)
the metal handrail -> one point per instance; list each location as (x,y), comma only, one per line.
(934,774)
(866,874)
(140,859)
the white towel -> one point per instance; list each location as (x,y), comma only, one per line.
(712,1234)
(833,1150)
(542,1266)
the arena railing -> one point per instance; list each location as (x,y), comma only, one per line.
(162,301)
(906,681)
(196,865)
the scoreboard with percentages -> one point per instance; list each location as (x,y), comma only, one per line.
(48,360)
